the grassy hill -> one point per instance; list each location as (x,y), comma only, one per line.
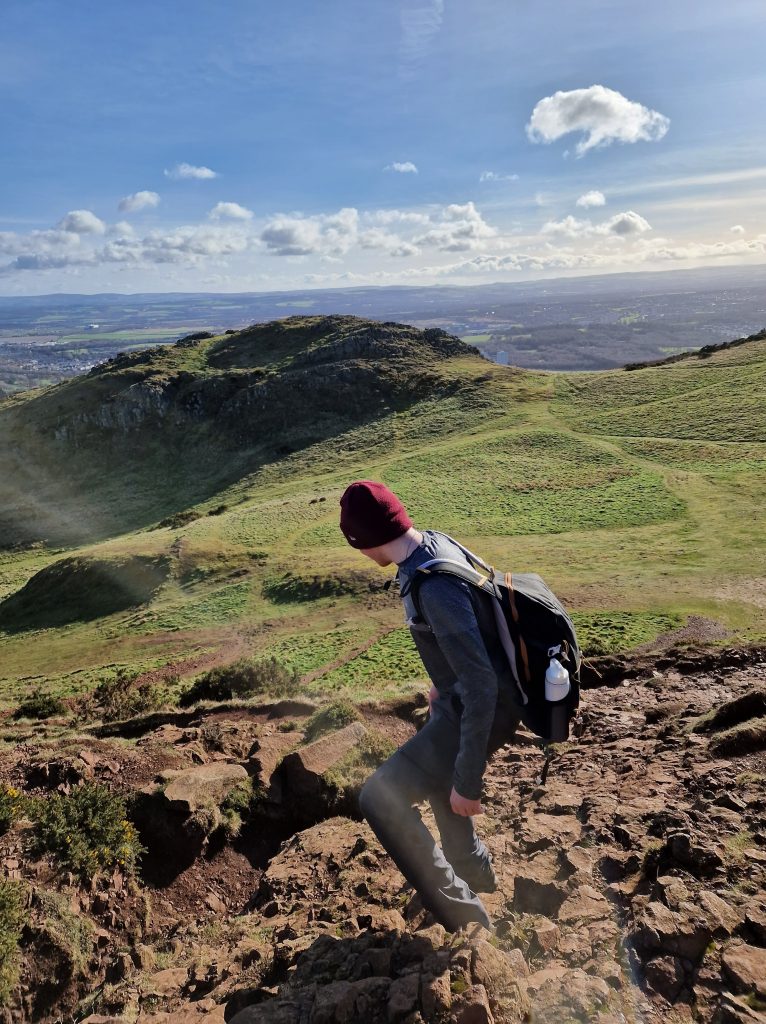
(637,494)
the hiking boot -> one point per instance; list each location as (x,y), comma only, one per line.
(482,880)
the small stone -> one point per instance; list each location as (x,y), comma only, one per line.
(546,936)
(214,902)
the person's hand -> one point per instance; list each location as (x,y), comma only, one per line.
(433,694)
(463,806)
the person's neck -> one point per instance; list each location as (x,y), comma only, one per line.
(403,546)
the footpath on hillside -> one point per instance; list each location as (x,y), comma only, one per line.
(632,884)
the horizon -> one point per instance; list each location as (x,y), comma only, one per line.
(628,275)
(254,150)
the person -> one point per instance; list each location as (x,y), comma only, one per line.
(472,713)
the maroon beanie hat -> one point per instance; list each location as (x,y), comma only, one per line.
(371,515)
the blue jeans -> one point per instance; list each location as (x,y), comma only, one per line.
(421,769)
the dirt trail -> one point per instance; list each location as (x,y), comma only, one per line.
(632,886)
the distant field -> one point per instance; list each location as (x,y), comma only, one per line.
(142,334)
(637,495)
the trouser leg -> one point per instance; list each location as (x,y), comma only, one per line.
(387,802)
(461,845)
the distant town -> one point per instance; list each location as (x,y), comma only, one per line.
(581,323)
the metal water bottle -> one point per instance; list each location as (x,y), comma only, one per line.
(557,688)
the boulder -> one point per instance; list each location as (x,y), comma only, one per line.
(267,751)
(665,975)
(722,918)
(538,885)
(503,976)
(732,1010)
(744,967)
(302,770)
(202,787)
(472,1007)
(755,920)
(403,997)
(657,929)
(700,860)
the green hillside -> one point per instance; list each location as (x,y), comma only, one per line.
(637,494)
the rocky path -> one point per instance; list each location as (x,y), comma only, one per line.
(632,884)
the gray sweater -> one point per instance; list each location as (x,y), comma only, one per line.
(458,644)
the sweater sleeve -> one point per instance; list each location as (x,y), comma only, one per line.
(446,606)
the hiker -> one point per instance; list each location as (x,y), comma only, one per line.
(472,714)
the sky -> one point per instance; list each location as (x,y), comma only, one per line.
(254,146)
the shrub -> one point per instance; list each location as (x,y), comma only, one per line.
(10,806)
(118,698)
(329,718)
(86,831)
(242,678)
(12,917)
(39,705)
(237,806)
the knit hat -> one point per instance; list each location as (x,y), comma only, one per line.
(371,515)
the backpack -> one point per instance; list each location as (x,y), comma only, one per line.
(533,627)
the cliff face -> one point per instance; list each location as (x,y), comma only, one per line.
(199,414)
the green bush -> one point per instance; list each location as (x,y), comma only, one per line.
(238,805)
(10,806)
(330,718)
(242,678)
(39,705)
(86,831)
(118,698)
(12,918)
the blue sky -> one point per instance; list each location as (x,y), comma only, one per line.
(385,142)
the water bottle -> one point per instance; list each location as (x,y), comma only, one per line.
(557,687)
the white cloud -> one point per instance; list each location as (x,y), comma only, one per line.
(592,198)
(397,217)
(121,227)
(407,167)
(138,201)
(390,243)
(620,225)
(82,222)
(737,229)
(603,115)
(325,234)
(231,210)
(461,227)
(495,176)
(183,171)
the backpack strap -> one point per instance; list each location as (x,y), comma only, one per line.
(515,614)
(481,580)
(487,582)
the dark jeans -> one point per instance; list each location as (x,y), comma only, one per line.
(421,769)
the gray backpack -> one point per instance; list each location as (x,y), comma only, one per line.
(533,628)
